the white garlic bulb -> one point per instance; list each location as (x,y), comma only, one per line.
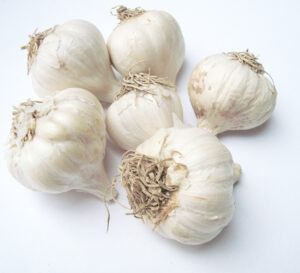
(58,144)
(145,104)
(229,91)
(181,181)
(73,54)
(146,41)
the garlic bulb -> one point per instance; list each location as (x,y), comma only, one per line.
(146,41)
(229,91)
(58,144)
(73,54)
(145,104)
(181,181)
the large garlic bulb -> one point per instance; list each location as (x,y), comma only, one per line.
(229,91)
(58,144)
(146,40)
(181,181)
(73,54)
(145,104)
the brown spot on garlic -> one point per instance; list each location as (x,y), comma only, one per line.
(200,113)
(180,232)
(199,198)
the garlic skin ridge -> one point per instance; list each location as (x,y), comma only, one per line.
(204,170)
(147,41)
(229,94)
(58,144)
(73,54)
(136,116)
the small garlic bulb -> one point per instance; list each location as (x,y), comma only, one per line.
(73,54)
(146,40)
(181,181)
(229,91)
(58,144)
(145,104)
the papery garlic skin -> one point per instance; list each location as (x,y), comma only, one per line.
(151,41)
(136,116)
(204,171)
(73,54)
(229,95)
(58,144)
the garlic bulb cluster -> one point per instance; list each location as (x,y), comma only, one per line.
(145,104)
(146,41)
(181,181)
(73,54)
(229,91)
(58,144)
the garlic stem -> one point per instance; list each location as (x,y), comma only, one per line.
(236,172)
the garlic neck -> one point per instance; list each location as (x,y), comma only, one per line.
(114,89)
(206,125)
(249,59)
(124,13)
(99,185)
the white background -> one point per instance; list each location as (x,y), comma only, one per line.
(65,233)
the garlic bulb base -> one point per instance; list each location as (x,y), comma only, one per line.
(124,13)
(147,188)
(35,40)
(249,59)
(140,82)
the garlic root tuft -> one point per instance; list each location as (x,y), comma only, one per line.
(140,82)
(124,13)
(24,121)
(148,193)
(35,40)
(249,59)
